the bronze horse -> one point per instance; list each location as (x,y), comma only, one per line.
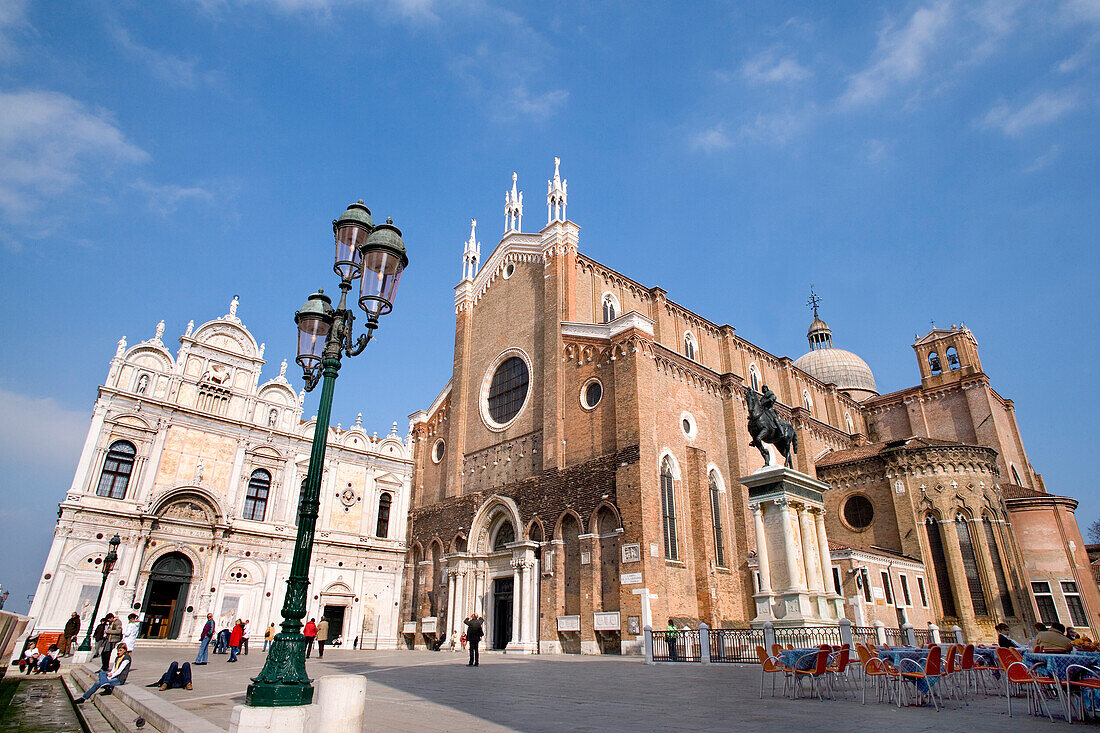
(767,427)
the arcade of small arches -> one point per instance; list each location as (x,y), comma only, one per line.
(523,579)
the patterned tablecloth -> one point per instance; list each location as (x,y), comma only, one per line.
(917,658)
(1057,666)
(804,658)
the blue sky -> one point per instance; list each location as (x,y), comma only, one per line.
(915,161)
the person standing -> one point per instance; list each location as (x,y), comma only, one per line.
(672,634)
(204,639)
(130,632)
(245,634)
(322,637)
(100,636)
(112,635)
(235,637)
(310,633)
(72,630)
(475,629)
(269,635)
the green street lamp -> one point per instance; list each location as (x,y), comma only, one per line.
(108,565)
(376,255)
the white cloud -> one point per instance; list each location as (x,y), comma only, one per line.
(415,10)
(50,143)
(1045,159)
(166,199)
(172,69)
(777,128)
(38,431)
(1045,108)
(1080,11)
(711,140)
(767,68)
(900,56)
(13,17)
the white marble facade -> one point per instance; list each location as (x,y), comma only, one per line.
(201,438)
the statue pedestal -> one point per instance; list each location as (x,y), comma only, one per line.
(793,559)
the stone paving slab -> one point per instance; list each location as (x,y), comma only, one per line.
(436,691)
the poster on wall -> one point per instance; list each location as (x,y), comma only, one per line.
(230,607)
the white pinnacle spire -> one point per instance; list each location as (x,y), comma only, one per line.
(471,253)
(556,195)
(513,208)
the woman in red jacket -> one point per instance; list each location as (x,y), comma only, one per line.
(235,637)
(309,631)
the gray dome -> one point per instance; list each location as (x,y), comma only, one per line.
(837,366)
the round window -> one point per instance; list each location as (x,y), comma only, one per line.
(508,390)
(591,394)
(687,424)
(509,270)
(859,512)
(438,450)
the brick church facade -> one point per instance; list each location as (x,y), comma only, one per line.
(577,477)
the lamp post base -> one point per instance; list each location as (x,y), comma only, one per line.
(283,681)
(278,695)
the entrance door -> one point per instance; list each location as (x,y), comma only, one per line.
(166,597)
(502,612)
(335,616)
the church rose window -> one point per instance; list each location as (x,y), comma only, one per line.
(255,501)
(939,564)
(383,528)
(438,450)
(508,389)
(117,468)
(593,393)
(859,512)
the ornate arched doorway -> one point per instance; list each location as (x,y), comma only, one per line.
(166,596)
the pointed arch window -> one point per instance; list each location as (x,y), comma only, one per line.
(998,568)
(716,519)
(610,308)
(848,423)
(939,564)
(690,346)
(505,535)
(807,401)
(255,500)
(754,378)
(668,509)
(970,566)
(117,468)
(382,529)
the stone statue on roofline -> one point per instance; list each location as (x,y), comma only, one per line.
(771,435)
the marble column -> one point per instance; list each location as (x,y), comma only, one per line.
(479,592)
(795,580)
(762,549)
(517,599)
(532,624)
(451,583)
(810,557)
(823,549)
(460,601)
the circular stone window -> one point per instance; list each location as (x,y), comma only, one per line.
(591,393)
(859,512)
(509,270)
(438,450)
(505,389)
(687,425)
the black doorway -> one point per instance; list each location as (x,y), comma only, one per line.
(502,612)
(166,597)
(335,616)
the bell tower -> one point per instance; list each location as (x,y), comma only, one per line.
(947,355)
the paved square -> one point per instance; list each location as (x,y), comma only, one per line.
(435,691)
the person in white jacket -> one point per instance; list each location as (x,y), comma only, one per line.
(130,631)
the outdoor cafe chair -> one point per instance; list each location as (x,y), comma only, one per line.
(973,670)
(815,673)
(877,671)
(773,666)
(929,674)
(1083,684)
(777,649)
(837,667)
(1017,673)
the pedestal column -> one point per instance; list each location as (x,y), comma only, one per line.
(795,581)
(451,609)
(823,548)
(810,557)
(517,598)
(762,549)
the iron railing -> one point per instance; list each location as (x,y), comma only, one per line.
(865,634)
(736,645)
(923,637)
(676,646)
(895,637)
(805,637)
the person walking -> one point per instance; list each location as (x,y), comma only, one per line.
(310,632)
(475,629)
(235,637)
(269,635)
(112,635)
(245,634)
(672,634)
(130,631)
(204,639)
(72,630)
(322,637)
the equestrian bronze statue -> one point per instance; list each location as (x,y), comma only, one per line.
(767,427)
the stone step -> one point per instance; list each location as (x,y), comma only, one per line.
(114,710)
(92,718)
(159,714)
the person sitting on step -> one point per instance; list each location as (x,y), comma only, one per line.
(120,670)
(49,661)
